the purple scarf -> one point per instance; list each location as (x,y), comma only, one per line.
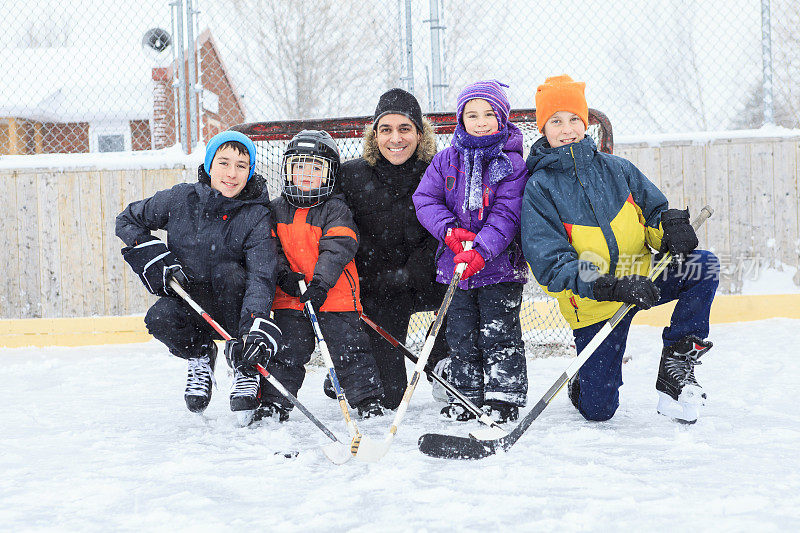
(477,153)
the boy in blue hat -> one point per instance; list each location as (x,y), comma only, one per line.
(220,248)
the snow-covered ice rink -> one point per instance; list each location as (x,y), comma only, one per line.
(98,439)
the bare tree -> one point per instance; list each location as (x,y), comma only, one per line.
(786,61)
(47,32)
(661,81)
(463,61)
(308,57)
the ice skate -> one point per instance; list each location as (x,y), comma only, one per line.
(271,410)
(438,392)
(502,412)
(458,413)
(370,408)
(244,397)
(680,396)
(200,379)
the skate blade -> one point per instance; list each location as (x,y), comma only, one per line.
(337,453)
(488,433)
(369,450)
(245,418)
(681,412)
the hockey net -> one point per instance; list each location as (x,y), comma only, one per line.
(544,329)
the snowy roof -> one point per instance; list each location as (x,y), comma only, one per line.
(76,84)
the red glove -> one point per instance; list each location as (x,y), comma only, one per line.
(454,238)
(474,261)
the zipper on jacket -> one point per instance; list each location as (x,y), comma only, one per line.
(352,289)
(484,202)
(575,307)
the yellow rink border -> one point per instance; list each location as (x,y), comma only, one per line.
(16,333)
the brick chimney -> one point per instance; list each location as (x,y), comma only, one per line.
(163,131)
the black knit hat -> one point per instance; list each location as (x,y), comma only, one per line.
(398,101)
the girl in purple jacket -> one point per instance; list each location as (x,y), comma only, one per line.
(472,191)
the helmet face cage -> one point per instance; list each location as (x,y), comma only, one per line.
(309,168)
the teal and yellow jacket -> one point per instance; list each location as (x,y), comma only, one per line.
(586,213)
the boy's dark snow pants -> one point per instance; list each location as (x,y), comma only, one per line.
(173,322)
(347,343)
(693,285)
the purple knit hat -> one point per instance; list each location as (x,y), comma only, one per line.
(491,91)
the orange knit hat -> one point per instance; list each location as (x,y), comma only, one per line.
(560,93)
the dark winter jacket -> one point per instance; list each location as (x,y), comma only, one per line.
(586,212)
(439,200)
(396,254)
(319,242)
(205,229)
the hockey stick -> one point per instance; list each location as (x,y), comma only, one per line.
(473,447)
(336,451)
(356,437)
(474,409)
(376,450)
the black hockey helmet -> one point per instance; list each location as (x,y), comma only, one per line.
(309,169)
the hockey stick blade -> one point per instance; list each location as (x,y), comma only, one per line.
(337,453)
(369,450)
(455,447)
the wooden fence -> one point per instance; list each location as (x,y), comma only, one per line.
(62,259)
(61,256)
(752,183)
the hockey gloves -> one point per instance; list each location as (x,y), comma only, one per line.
(454,238)
(679,235)
(315,293)
(155,265)
(634,289)
(288,281)
(257,347)
(474,261)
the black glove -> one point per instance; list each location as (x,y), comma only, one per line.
(258,346)
(155,265)
(635,289)
(288,282)
(679,235)
(315,294)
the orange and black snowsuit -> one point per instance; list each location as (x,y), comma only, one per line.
(321,242)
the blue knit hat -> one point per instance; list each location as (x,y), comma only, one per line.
(491,91)
(221,138)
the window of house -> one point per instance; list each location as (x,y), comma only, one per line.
(110,136)
(111,143)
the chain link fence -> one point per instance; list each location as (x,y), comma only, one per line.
(106,76)
(88,77)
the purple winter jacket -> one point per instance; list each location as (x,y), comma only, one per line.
(497,227)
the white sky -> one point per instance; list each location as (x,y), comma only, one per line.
(520,42)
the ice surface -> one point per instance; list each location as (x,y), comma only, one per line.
(98,439)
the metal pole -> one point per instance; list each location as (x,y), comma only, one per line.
(175,101)
(409,51)
(179,84)
(192,74)
(436,57)
(766,63)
